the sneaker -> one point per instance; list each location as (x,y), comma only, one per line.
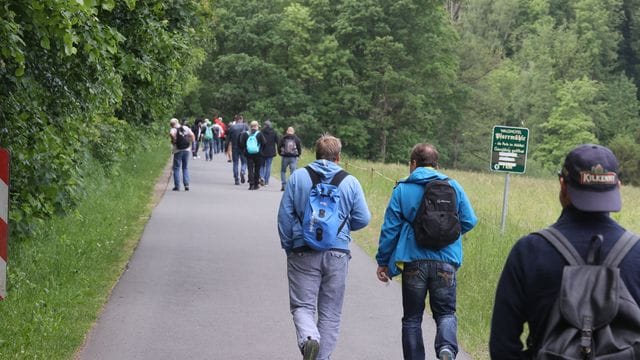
(186,188)
(228,160)
(242,178)
(446,354)
(261,181)
(237,182)
(282,188)
(176,189)
(310,349)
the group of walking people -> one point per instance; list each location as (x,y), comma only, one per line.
(421,238)
(248,147)
(253,149)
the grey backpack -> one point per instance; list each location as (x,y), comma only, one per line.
(594,316)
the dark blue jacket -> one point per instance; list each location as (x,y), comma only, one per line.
(530,280)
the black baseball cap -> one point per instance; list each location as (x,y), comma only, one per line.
(591,174)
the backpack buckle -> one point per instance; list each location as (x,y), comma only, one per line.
(586,338)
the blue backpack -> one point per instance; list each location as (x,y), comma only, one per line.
(208,134)
(252,143)
(321,223)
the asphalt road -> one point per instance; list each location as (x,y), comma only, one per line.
(208,281)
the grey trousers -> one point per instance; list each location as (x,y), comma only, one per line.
(316,291)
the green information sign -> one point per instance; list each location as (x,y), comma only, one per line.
(509,149)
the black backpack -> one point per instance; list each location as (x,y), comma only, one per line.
(594,316)
(289,147)
(437,224)
(182,142)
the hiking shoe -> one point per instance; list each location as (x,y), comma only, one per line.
(176,189)
(446,354)
(242,178)
(310,349)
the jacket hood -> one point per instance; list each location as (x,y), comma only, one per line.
(423,175)
(325,168)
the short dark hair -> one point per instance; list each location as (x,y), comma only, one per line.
(425,155)
(328,147)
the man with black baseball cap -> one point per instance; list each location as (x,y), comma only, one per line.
(531,279)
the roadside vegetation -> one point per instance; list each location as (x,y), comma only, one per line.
(60,277)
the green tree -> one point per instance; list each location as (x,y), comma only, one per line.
(568,124)
(627,151)
(67,68)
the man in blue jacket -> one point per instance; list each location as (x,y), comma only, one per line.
(424,270)
(531,277)
(317,278)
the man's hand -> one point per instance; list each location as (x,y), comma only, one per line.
(383,273)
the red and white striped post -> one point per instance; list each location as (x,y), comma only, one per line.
(5,157)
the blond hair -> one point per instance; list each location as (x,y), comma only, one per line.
(328,147)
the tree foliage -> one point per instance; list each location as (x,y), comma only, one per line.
(383,74)
(86,79)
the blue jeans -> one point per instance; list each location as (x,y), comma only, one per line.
(317,282)
(181,160)
(439,280)
(208,149)
(237,156)
(291,163)
(194,148)
(265,170)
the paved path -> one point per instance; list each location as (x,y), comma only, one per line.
(208,281)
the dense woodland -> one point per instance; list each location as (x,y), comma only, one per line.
(385,74)
(89,82)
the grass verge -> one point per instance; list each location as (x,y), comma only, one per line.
(59,279)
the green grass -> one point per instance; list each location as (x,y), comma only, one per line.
(59,279)
(532,204)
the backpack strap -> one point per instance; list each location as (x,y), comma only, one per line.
(337,178)
(627,241)
(315,177)
(562,244)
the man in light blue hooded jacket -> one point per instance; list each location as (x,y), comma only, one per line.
(317,279)
(424,270)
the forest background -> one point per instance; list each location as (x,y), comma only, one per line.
(98,79)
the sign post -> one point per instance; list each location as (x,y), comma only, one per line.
(509,155)
(5,157)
